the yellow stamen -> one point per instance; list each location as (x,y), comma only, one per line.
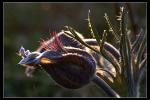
(46,61)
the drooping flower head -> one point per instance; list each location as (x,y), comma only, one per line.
(68,64)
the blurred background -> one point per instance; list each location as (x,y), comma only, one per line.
(25,24)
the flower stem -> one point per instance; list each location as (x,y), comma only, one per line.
(105,87)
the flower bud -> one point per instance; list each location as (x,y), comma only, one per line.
(68,63)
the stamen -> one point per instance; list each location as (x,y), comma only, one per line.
(46,61)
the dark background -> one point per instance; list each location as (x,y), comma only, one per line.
(27,23)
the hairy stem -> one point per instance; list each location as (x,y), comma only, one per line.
(105,87)
(107,46)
